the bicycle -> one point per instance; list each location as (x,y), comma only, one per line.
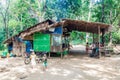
(39,58)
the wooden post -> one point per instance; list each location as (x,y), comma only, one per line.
(50,45)
(61,54)
(49,55)
(87,34)
(99,40)
(61,46)
(68,45)
(61,39)
(110,38)
(103,32)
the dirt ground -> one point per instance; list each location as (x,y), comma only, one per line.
(75,66)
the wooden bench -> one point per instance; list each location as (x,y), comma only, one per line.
(106,51)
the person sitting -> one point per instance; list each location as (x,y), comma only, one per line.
(96,49)
(93,47)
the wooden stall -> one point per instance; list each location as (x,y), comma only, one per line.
(84,26)
(45,39)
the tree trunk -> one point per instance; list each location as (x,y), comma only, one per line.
(42,12)
(103,7)
(6,29)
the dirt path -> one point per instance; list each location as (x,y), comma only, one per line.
(72,68)
(76,66)
(80,69)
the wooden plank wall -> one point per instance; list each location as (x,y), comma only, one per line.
(18,48)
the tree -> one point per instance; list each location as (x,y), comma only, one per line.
(57,9)
(17,15)
(107,13)
(5,15)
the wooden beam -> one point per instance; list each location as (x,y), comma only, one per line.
(57,24)
(30,37)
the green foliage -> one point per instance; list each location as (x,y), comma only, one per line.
(25,13)
(77,37)
(2,38)
(108,11)
(56,9)
(116,37)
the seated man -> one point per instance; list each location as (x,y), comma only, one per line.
(95,50)
(92,46)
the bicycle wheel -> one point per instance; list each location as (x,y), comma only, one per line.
(27,60)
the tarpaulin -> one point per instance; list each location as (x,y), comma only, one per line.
(58,30)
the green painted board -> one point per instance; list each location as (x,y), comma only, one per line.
(41,42)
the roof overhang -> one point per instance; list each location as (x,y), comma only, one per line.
(79,25)
(83,26)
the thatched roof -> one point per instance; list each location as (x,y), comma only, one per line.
(9,40)
(42,26)
(79,25)
(35,28)
(91,27)
(83,26)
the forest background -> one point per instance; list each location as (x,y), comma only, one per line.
(17,15)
